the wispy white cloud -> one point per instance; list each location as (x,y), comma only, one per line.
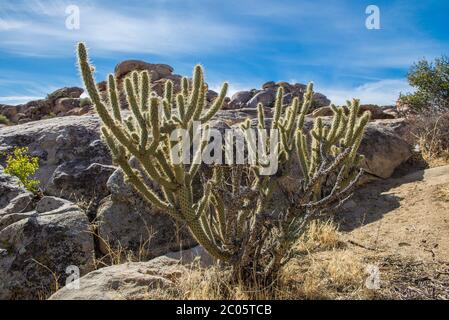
(14,100)
(6,25)
(109,29)
(383,92)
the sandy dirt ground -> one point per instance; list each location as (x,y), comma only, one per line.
(401,225)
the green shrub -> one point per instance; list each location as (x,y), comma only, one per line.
(21,165)
(431,81)
(85,102)
(4,120)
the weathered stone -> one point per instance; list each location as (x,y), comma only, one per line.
(38,246)
(268,85)
(66,92)
(10,188)
(63,105)
(157,71)
(78,182)
(266,97)
(67,145)
(126,219)
(22,203)
(239,99)
(129,281)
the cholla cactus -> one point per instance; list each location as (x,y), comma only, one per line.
(232,216)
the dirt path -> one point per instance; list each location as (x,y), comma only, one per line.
(401,226)
(406,216)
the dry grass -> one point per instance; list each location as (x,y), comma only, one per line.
(321,270)
(117,254)
(338,274)
(443,192)
(321,235)
(431,134)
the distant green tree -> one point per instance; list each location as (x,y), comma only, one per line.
(431,80)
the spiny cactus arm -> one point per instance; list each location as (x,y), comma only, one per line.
(201,236)
(166,167)
(236,178)
(168,99)
(197,157)
(292,117)
(260,116)
(200,105)
(135,83)
(113,98)
(180,103)
(132,100)
(89,82)
(307,102)
(358,135)
(336,196)
(360,126)
(316,135)
(195,93)
(155,124)
(119,152)
(302,154)
(218,103)
(354,110)
(278,107)
(144,90)
(332,136)
(185,87)
(204,202)
(219,207)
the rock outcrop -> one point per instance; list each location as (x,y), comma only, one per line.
(384,147)
(137,280)
(127,221)
(129,281)
(62,102)
(267,96)
(74,162)
(377,112)
(39,239)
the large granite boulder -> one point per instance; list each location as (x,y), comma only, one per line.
(66,92)
(384,147)
(73,160)
(267,96)
(127,221)
(10,188)
(157,71)
(37,247)
(129,281)
(137,280)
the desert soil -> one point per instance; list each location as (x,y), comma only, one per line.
(401,225)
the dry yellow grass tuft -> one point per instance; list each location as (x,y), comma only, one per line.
(443,193)
(321,270)
(322,235)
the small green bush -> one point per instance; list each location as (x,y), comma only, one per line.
(85,102)
(4,120)
(21,165)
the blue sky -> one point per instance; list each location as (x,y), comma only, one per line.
(246,42)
